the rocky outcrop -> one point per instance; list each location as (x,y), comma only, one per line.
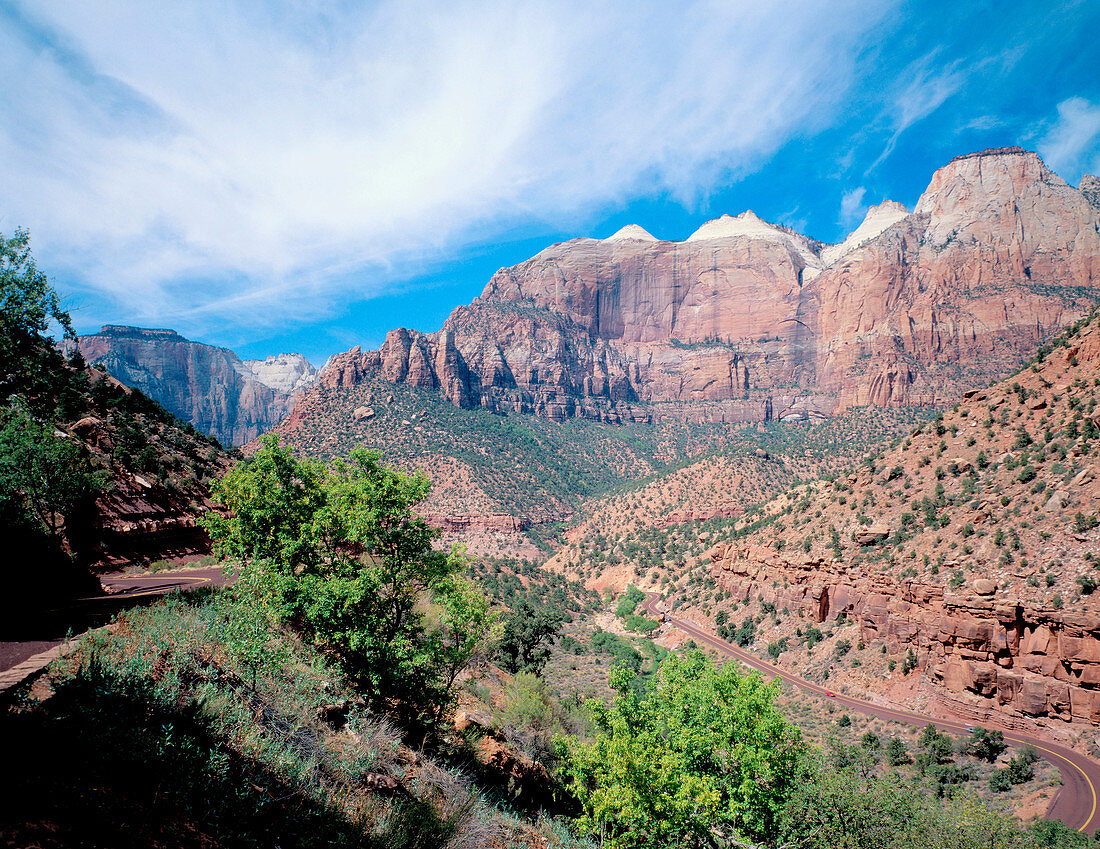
(493,523)
(212,388)
(746,320)
(979,551)
(285,373)
(989,652)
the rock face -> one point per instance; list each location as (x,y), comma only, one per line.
(209,387)
(285,373)
(746,320)
(980,555)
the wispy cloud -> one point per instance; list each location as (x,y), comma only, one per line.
(236,161)
(852,208)
(1071,145)
(928,85)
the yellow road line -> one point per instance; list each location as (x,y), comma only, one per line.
(191,579)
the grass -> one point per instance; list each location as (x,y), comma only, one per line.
(163,733)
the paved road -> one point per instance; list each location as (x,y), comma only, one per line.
(87,612)
(120,586)
(1075,803)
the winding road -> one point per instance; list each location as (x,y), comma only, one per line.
(1074,804)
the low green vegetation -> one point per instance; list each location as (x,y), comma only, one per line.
(701,755)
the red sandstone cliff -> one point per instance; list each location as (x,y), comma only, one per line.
(974,544)
(748,321)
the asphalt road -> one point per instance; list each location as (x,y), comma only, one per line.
(1076,801)
(120,586)
(122,591)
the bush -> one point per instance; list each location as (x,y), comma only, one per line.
(342,556)
(629,601)
(659,771)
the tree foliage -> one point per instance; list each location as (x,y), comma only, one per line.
(699,757)
(340,554)
(45,480)
(526,635)
(28,303)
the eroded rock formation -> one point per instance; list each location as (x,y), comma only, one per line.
(972,544)
(212,388)
(746,320)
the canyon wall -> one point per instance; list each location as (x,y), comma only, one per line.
(746,320)
(212,388)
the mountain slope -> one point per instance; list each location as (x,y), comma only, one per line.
(973,545)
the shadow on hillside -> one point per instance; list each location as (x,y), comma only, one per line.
(104,764)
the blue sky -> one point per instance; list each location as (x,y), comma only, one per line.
(271,178)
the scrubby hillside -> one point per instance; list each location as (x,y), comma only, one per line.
(670,518)
(495,477)
(92,474)
(968,553)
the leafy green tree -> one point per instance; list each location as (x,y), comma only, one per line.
(524,643)
(341,555)
(987,745)
(697,757)
(466,626)
(629,601)
(839,810)
(28,303)
(45,480)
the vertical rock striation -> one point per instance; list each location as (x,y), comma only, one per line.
(212,388)
(746,320)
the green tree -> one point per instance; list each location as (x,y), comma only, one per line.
(987,745)
(697,757)
(465,626)
(45,480)
(341,555)
(525,637)
(28,303)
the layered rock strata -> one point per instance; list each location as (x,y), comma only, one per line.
(990,655)
(746,320)
(973,545)
(212,388)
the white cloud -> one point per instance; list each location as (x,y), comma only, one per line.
(217,160)
(1072,144)
(852,207)
(929,85)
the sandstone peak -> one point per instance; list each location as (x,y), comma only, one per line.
(1090,188)
(749,225)
(286,373)
(631,231)
(877,220)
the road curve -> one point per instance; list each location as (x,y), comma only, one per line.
(1075,803)
(122,586)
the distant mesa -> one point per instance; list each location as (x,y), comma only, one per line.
(233,400)
(631,231)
